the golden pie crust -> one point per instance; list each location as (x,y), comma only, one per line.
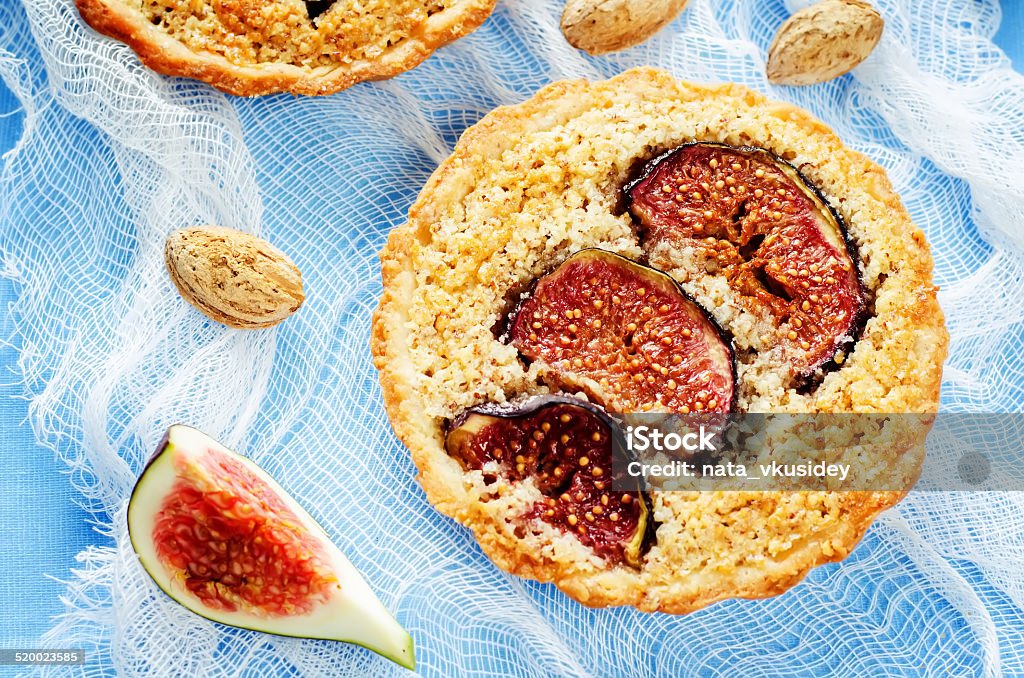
(532,183)
(253,47)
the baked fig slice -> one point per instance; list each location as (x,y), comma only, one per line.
(627,335)
(222,538)
(566,446)
(753,217)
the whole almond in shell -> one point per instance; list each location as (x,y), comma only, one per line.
(823,41)
(600,26)
(233,277)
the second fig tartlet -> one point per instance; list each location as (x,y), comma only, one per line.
(253,47)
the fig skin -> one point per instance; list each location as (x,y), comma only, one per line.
(756,219)
(627,335)
(314,8)
(566,445)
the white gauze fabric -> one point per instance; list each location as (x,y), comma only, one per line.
(113,157)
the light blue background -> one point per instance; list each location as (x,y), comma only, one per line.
(36,554)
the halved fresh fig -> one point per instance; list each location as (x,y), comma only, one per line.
(753,217)
(222,538)
(628,335)
(566,445)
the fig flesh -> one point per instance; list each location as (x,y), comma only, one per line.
(754,218)
(222,538)
(566,446)
(627,335)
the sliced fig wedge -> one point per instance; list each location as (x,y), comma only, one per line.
(566,446)
(754,218)
(219,536)
(628,335)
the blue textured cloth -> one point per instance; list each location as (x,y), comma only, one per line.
(32,483)
(1011,33)
(37,552)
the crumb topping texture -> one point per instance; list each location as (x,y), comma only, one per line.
(282,31)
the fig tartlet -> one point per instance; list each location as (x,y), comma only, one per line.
(252,47)
(648,245)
